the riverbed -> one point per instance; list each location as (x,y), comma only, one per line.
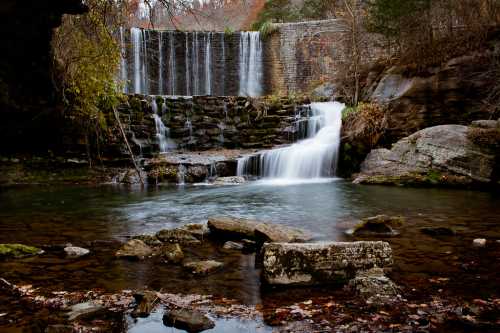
(101,218)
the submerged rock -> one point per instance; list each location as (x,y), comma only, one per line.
(188,320)
(203,267)
(321,263)
(235,180)
(438,231)
(374,287)
(479,242)
(85,311)
(180,236)
(18,251)
(149,240)
(76,252)
(172,253)
(134,249)
(380,225)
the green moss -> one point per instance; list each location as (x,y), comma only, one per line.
(17,251)
(434,177)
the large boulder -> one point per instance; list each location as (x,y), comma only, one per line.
(266,232)
(446,155)
(321,263)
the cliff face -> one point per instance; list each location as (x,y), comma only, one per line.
(26,84)
(454,93)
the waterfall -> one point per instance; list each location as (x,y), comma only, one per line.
(223,81)
(160,63)
(155,63)
(312,158)
(250,64)
(208,63)
(161,130)
(172,71)
(136,47)
(186,64)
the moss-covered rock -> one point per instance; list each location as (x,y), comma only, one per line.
(18,251)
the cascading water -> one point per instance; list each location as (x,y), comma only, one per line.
(172,71)
(161,130)
(312,158)
(156,63)
(250,64)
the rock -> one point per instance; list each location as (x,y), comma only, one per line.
(188,320)
(479,242)
(325,90)
(265,232)
(321,263)
(229,245)
(18,251)
(149,240)
(249,245)
(235,180)
(196,173)
(438,231)
(203,267)
(380,225)
(238,228)
(198,230)
(440,155)
(134,249)
(145,303)
(172,253)
(85,311)
(232,227)
(75,252)
(374,287)
(180,236)
(485,124)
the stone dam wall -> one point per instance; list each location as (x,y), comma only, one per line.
(204,122)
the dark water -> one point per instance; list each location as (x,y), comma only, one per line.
(100,218)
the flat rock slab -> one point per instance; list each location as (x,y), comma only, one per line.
(232,227)
(238,228)
(321,263)
(188,320)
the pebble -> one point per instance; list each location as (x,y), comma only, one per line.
(479,242)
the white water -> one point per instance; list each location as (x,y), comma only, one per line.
(162,132)
(313,158)
(208,64)
(250,64)
(160,63)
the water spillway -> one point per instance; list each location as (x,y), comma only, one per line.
(191,63)
(311,158)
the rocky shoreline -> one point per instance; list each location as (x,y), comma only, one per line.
(361,293)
